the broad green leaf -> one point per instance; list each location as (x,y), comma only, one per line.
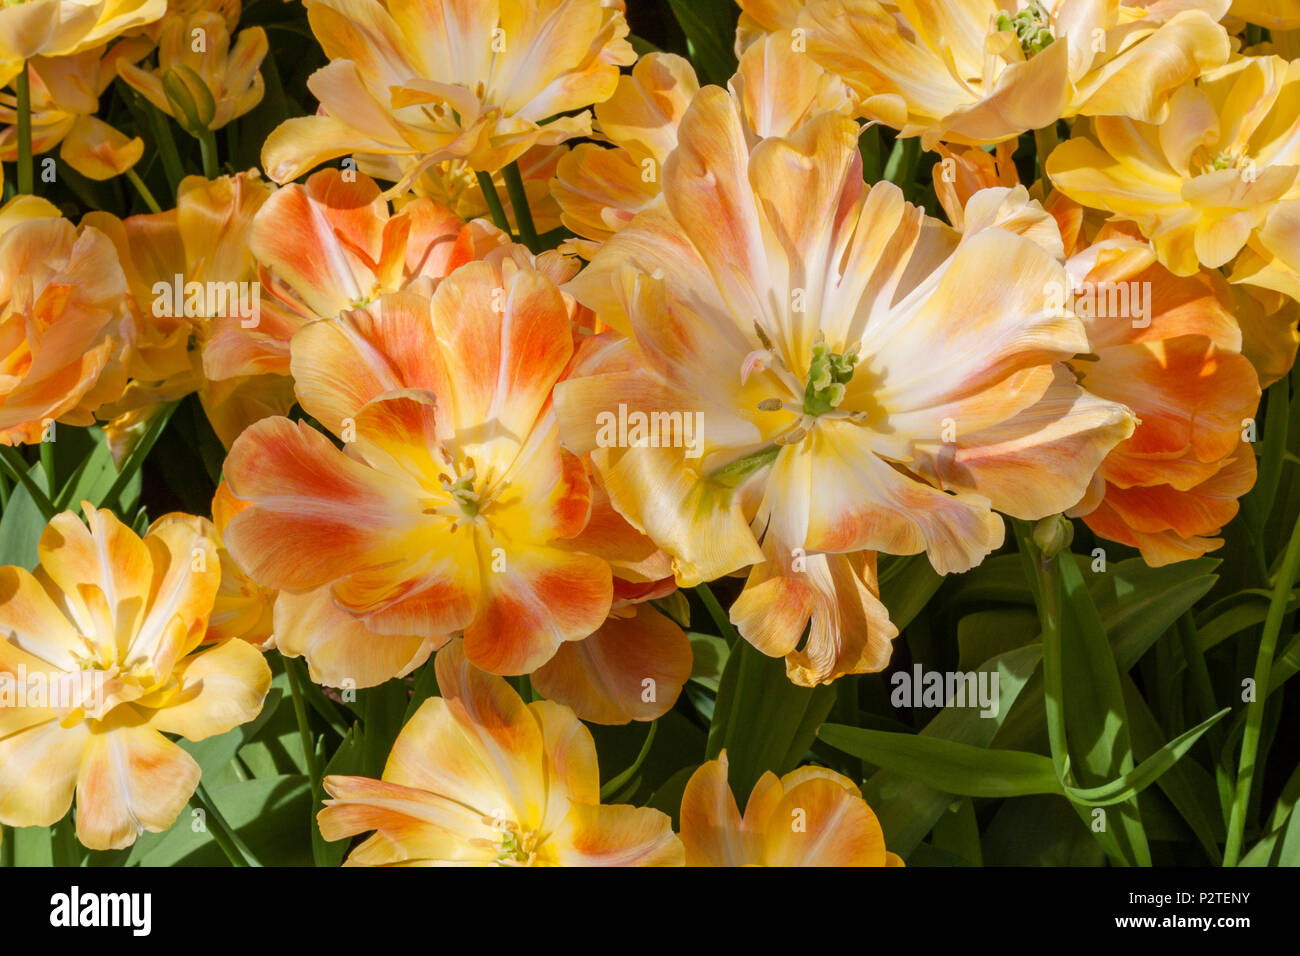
(984,635)
(710,657)
(1147,772)
(266,812)
(907,808)
(710,27)
(944,765)
(761,719)
(21,524)
(906,585)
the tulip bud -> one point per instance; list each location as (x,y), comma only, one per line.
(1053,535)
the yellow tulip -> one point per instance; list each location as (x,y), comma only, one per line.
(810,817)
(98,661)
(203,244)
(425,81)
(31,28)
(969,71)
(202,80)
(479,778)
(1217,184)
(864,378)
(1274,14)
(65,92)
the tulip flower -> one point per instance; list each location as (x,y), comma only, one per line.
(32,28)
(202,80)
(425,81)
(332,244)
(65,94)
(809,817)
(1215,184)
(1274,14)
(99,650)
(187,269)
(600,190)
(479,778)
(980,71)
(449,506)
(866,379)
(64,330)
(1176,361)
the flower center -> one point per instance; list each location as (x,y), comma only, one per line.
(461,489)
(517,846)
(1032,27)
(1225,159)
(828,374)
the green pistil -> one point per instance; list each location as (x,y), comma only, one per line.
(462,492)
(828,374)
(1031,26)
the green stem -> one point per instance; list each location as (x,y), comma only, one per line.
(13,463)
(300,714)
(165,143)
(237,852)
(1045,580)
(519,202)
(23,86)
(1045,140)
(618,783)
(143,190)
(138,455)
(725,628)
(47,464)
(493,201)
(1203,692)
(1255,709)
(900,168)
(208,148)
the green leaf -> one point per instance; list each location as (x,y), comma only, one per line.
(906,585)
(1189,788)
(266,813)
(617,783)
(710,657)
(1147,772)
(986,634)
(1137,603)
(1087,725)
(908,809)
(954,768)
(710,26)
(33,846)
(22,523)
(761,719)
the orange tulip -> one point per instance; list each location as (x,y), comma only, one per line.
(332,244)
(449,505)
(64,333)
(1177,362)
(189,269)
